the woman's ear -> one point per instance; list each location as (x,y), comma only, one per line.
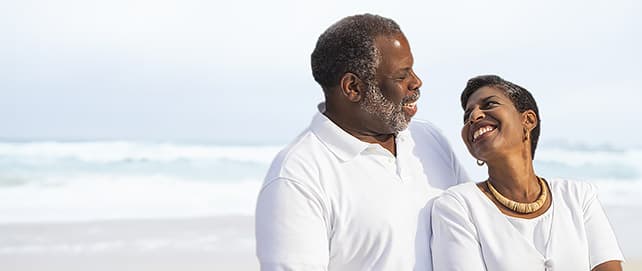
(352,87)
(529,120)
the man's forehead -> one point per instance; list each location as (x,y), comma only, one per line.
(393,40)
(394,48)
(396,43)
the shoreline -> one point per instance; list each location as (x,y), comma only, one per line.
(204,243)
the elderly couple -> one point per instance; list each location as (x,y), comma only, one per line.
(362,188)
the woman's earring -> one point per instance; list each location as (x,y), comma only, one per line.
(480,162)
(525,135)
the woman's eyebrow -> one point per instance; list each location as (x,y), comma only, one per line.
(467,111)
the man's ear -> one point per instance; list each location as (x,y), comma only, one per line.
(529,119)
(352,87)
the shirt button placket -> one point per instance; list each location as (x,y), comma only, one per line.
(548,265)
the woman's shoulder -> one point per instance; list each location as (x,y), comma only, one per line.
(572,186)
(461,190)
(462,194)
(573,190)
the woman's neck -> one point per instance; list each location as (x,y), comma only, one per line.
(514,177)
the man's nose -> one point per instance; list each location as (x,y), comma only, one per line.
(416,83)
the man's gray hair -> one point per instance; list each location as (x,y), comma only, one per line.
(349,46)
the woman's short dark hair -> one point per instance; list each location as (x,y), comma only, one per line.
(349,46)
(521,98)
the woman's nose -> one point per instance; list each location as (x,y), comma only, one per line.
(476,115)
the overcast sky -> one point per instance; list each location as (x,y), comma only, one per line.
(238,71)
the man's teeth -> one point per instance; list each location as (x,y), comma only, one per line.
(482,131)
(410,104)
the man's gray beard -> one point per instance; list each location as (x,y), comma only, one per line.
(383,109)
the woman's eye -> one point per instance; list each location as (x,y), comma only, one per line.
(491,103)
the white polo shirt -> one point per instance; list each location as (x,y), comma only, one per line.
(333,202)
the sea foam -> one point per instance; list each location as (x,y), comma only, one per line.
(75,181)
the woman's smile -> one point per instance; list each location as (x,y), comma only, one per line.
(482,132)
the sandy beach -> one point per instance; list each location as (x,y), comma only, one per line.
(214,243)
(627,223)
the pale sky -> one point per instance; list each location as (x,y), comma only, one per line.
(238,71)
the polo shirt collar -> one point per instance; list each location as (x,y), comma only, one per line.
(401,137)
(342,144)
(339,142)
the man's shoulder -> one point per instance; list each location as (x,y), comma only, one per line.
(297,158)
(423,128)
(421,124)
(299,148)
(427,136)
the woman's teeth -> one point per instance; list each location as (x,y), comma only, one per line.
(481,131)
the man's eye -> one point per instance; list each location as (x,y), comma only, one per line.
(402,76)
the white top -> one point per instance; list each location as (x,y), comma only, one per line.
(333,202)
(536,231)
(471,233)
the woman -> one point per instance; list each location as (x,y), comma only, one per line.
(516,220)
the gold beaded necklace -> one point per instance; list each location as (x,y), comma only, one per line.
(520,207)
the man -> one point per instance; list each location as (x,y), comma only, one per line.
(349,192)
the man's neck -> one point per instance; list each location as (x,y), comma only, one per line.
(387,141)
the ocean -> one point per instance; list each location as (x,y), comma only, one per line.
(48,181)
